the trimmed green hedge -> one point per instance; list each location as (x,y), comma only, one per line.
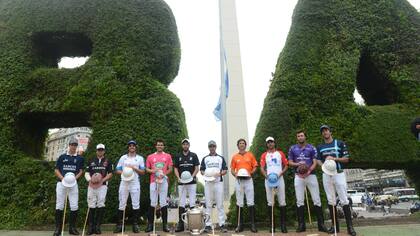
(121,92)
(332,48)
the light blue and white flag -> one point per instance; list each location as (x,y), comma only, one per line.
(224,90)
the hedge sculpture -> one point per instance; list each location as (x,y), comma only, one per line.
(121,92)
(332,48)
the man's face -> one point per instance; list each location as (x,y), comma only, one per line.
(270,144)
(301,138)
(326,133)
(159,146)
(212,148)
(418,126)
(72,147)
(100,152)
(132,148)
(185,146)
(241,145)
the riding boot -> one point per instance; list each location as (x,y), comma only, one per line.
(320,219)
(118,226)
(98,219)
(136,214)
(347,215)
(239,215)
(91,221)
(180,225)
(164,211)
(337,224)
(72,223)
(251,211)
(301,219)
(283,219)
(58,222)
(150,219)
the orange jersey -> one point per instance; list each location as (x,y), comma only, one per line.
(246,161)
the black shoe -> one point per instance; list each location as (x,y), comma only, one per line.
(118,226)
(283,219)
(251,211)
(58,222)
(207,229)
(272,222)
(150,219)
(72,223)
(223,229)
(301,219)
(347,215)
(91,221)
(98,219)
(337,224)
(136,228)
(320,219)
(164,211)
(180,225)
(239,215)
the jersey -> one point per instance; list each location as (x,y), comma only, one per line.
(306,154)
(101,166)
(186,163)
(214,162)
(243,161)
(69,163)
(126,160)
(273,162)
(160,161)
(337,149)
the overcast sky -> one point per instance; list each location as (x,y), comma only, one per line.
(263,28)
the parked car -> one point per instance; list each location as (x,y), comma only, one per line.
(415,207)
(381,199)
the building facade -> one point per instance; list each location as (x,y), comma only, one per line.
(58,141)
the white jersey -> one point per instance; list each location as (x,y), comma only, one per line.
(214,162)
(273,162)
(125,160)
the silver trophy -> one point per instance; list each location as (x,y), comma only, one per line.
(195,219)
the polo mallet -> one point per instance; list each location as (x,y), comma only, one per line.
(272,210)
(239,208)
(125,207)
(64,214)
(334,206)
(307,203)
(86,218)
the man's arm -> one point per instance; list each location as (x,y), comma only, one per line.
(58,174)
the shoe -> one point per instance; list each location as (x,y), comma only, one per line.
(301,219)
(208,229)
(58,222)
(180,225)
(251,211)
(72,223)
(223,229)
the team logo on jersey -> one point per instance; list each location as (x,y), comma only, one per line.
(190,158)
(74,161)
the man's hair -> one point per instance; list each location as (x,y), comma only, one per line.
(159,141)
(301,131)
(239,140)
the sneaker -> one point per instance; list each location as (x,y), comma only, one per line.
(207,229)
(223,229)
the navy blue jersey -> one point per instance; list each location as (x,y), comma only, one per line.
(67,163)
(336,148)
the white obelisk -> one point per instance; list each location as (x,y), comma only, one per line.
(234,122)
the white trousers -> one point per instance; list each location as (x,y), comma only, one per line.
(96,197)
(163,193)
(214,194)
(280,191)
(335,184)
(189,189)
(131,188)
(244,186)
(72,194)
(300,185)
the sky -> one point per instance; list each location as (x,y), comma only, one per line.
(263,27)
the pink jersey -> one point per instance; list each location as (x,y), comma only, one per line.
(160,161)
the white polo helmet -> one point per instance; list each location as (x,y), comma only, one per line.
(69,180)
(243,173)
(329,167)
(210,173)
(186,177)
(127,174)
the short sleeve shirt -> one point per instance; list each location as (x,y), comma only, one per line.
(336,148)
(69,163)
(186,163)
(102,166)
(214,162)
(243,161)
(126,160)
(306,154)
(161,161)
(273,162)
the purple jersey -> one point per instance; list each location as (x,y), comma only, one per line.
(306,154)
